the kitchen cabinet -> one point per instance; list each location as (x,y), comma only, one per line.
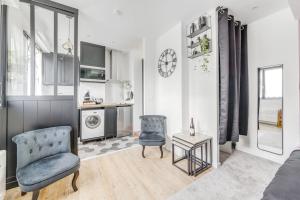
(124,121)
(92,55)
(64,69)
(110,124)
(120,66)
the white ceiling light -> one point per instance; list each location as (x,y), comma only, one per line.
(68,44)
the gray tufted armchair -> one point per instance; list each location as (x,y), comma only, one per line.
(43,157)
(153,131)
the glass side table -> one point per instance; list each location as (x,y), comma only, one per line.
(197,152)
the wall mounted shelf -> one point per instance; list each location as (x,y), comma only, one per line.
(199,31)
(199,54)
(198,39)
(194,45)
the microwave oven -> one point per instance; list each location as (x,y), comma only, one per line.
(92,74)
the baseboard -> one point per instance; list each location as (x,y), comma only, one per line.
(11,183)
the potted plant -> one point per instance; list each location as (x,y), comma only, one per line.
(205,44)
(205,49)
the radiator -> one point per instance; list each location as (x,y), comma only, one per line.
(2,173)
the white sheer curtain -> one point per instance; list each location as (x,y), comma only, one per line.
(18,72)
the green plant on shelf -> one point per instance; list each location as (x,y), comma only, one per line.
(205,44)
(205,50)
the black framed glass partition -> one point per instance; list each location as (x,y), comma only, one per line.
(42,72)
(3,56)
(41,47)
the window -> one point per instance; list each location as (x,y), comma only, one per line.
(270,83)
(44,56)
(52,73)
(19,65)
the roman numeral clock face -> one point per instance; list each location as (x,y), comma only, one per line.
(167,63)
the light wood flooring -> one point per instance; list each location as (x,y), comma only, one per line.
(118,176)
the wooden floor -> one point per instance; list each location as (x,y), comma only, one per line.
(121,176)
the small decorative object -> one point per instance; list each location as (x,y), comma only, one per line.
(192,128)
(204,65)
(98,100)
(202,22)
(195,52)
(192,42)
(167,63)
(193,28)
(87,96)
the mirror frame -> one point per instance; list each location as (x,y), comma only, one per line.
(282,105)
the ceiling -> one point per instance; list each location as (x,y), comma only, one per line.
(123,23)
(295,6)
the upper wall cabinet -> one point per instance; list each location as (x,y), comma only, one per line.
(120,65)
(92,55)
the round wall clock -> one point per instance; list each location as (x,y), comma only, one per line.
(167,63)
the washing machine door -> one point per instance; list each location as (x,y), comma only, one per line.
(93,121)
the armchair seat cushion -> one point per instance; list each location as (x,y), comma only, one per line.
(46,171)
(151,139)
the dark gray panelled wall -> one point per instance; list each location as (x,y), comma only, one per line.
(26,115)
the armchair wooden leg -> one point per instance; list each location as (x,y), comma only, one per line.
(143,151)
(35,195)
(23,193)
(76,174)
(161,152)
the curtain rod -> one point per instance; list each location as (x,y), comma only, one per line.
(221,9)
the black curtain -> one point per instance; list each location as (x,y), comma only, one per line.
(233,78)
(3,56)
(244,87)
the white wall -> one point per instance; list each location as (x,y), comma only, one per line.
(203,93)
(186,93)
(274,40)
(149,71)
(135,65)
(2,173)
(168,92)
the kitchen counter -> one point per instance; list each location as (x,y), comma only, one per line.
(83,107)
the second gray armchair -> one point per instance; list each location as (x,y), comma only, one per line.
(153,132)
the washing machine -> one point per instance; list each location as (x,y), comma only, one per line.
(92,124)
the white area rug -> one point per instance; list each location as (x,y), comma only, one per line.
(96,148)
(241,177)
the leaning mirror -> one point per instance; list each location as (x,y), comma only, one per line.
(270,109)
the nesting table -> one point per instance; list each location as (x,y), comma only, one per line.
(197,152)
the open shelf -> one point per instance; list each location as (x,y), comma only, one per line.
(198,32)
(199,54)
(194,45)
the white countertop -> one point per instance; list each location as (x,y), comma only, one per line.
(104,105)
